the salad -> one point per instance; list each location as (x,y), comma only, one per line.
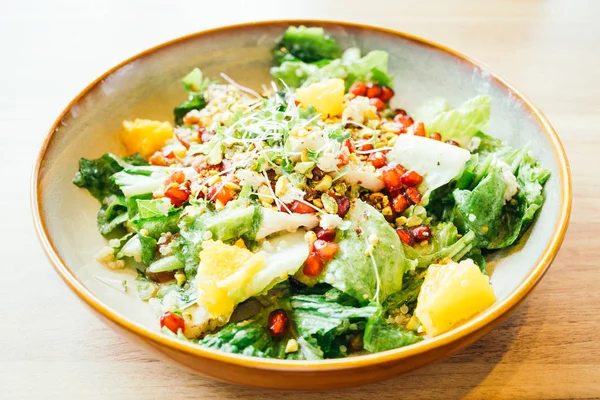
(312,219)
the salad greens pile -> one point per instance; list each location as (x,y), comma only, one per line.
(314,220)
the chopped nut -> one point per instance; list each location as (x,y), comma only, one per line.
(324,184)
(291,346)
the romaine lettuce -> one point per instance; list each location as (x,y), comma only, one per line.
(370,262)
(305,44)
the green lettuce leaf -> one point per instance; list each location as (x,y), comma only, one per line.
(407,296)
(95,176)
(381,336)
(112,215)
(195,102)
(381,274)
(373,67)
(461,124)
(157,225)
(305,44)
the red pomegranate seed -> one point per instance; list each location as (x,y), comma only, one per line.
(170,155)
(391,176)
(172,321)
(405,236)
(342,159)
(366,146)
(421,232)
(350,145)
(220,192)
(343,206)
(301,208)
(377,103)
(400,203)
(313,266)
(386,93)
(373,90)
(399,111)
(378,159)
(325,250)
(435,136)
(358,89)
(420,129)
(177,195)
(279,323)
(414,195)
(411,178)
(325,234)
(453,143)
(404,120)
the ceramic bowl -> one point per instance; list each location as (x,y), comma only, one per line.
(148,85)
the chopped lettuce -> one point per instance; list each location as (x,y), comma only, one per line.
(195,84)
(112,214)
(461,124)
(379,265)
(371,68)
(305,44)
(157,225)
(381,336)
(95,176)
(195,102)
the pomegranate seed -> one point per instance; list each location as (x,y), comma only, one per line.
(391,176)
(170,155)
(378,160)
(435,136)
(158,159)
(325,234)
(350,145)
(421,232)
(420,129)
(366,146)
(414,195)
(342,159)
(301,208)
(177,177)
(279,323)
(411,178)
(373,90)
(399,111)
(358,89)
(453,143)
(386,93)
(313,266)
(172,321)
(343,206)
(400,203)
(325,250)
(221,193)
(377,103)
(177,195)
(405,235)
(404,120)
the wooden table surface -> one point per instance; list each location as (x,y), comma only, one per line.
(53,347)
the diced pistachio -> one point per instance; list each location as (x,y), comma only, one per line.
(262,191)
(304,167)
(324,184)
(329,204)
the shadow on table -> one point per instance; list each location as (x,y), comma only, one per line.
(456,377)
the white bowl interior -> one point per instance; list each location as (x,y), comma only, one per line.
(149,87)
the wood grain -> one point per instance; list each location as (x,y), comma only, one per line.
(52,347)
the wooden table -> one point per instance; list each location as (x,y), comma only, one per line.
(52,347)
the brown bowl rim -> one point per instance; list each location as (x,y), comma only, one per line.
(477,323)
